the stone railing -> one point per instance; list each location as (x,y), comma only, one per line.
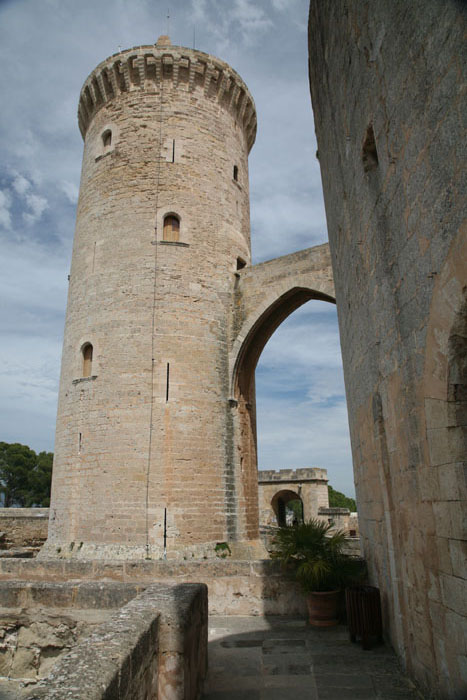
(23,528)
(155,646)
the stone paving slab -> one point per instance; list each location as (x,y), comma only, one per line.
(279,658)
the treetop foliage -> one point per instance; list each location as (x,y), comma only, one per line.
(340,500)
(24,476)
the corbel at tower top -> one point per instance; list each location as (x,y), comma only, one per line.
(146,68)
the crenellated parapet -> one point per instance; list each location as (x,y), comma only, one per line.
(149,68)
(270,476)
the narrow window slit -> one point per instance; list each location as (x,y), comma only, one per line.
(173,151)
(79,443)
(369,152)
(235,173)
(167,383)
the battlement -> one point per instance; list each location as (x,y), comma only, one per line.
(306,474)
(147,68)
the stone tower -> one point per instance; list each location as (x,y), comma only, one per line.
(143,427)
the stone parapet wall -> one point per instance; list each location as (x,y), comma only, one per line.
(235,587)
(76,595)
(40,622)
(153,646)
(303,474)
(23,527)
(341,518)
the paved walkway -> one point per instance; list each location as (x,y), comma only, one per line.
(279,658)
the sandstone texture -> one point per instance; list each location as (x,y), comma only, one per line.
(156,440)
(388,91)
(310,485)
(255,587)
(23,528)
(98,641)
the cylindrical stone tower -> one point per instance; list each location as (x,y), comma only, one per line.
(143,428)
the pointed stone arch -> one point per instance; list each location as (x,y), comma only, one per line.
(266,295)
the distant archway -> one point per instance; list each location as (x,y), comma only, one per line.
(288,508)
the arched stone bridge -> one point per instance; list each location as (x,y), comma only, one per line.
(265,295)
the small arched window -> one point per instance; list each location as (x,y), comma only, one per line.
(87,360)
(171,228)
(107,139)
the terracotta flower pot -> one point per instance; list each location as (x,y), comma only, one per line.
(323,608)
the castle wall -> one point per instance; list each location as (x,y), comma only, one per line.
(23,527)
(388,99)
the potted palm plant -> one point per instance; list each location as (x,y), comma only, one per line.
(314,557)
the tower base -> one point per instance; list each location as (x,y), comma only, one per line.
(240,551)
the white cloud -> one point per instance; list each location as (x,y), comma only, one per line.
(199,9)
(283,5)
(250,16)
(293,434)
(5,204)
(29,378)
(21,184)
(37,205)
(235,24)
(70,190)
(33,286)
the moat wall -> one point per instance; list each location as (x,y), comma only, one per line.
(386,84)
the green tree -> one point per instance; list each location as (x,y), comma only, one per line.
(340,500)
(24,476)
(39,481)
(296,506)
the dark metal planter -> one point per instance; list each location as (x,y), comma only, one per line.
(363,605)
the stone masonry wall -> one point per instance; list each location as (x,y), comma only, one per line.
(309,484)
(23,527)
(144,437)
(156,432)
(235,587)
(263,296)
(155,646)
(388,90)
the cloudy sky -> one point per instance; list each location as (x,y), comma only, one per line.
(47,49)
